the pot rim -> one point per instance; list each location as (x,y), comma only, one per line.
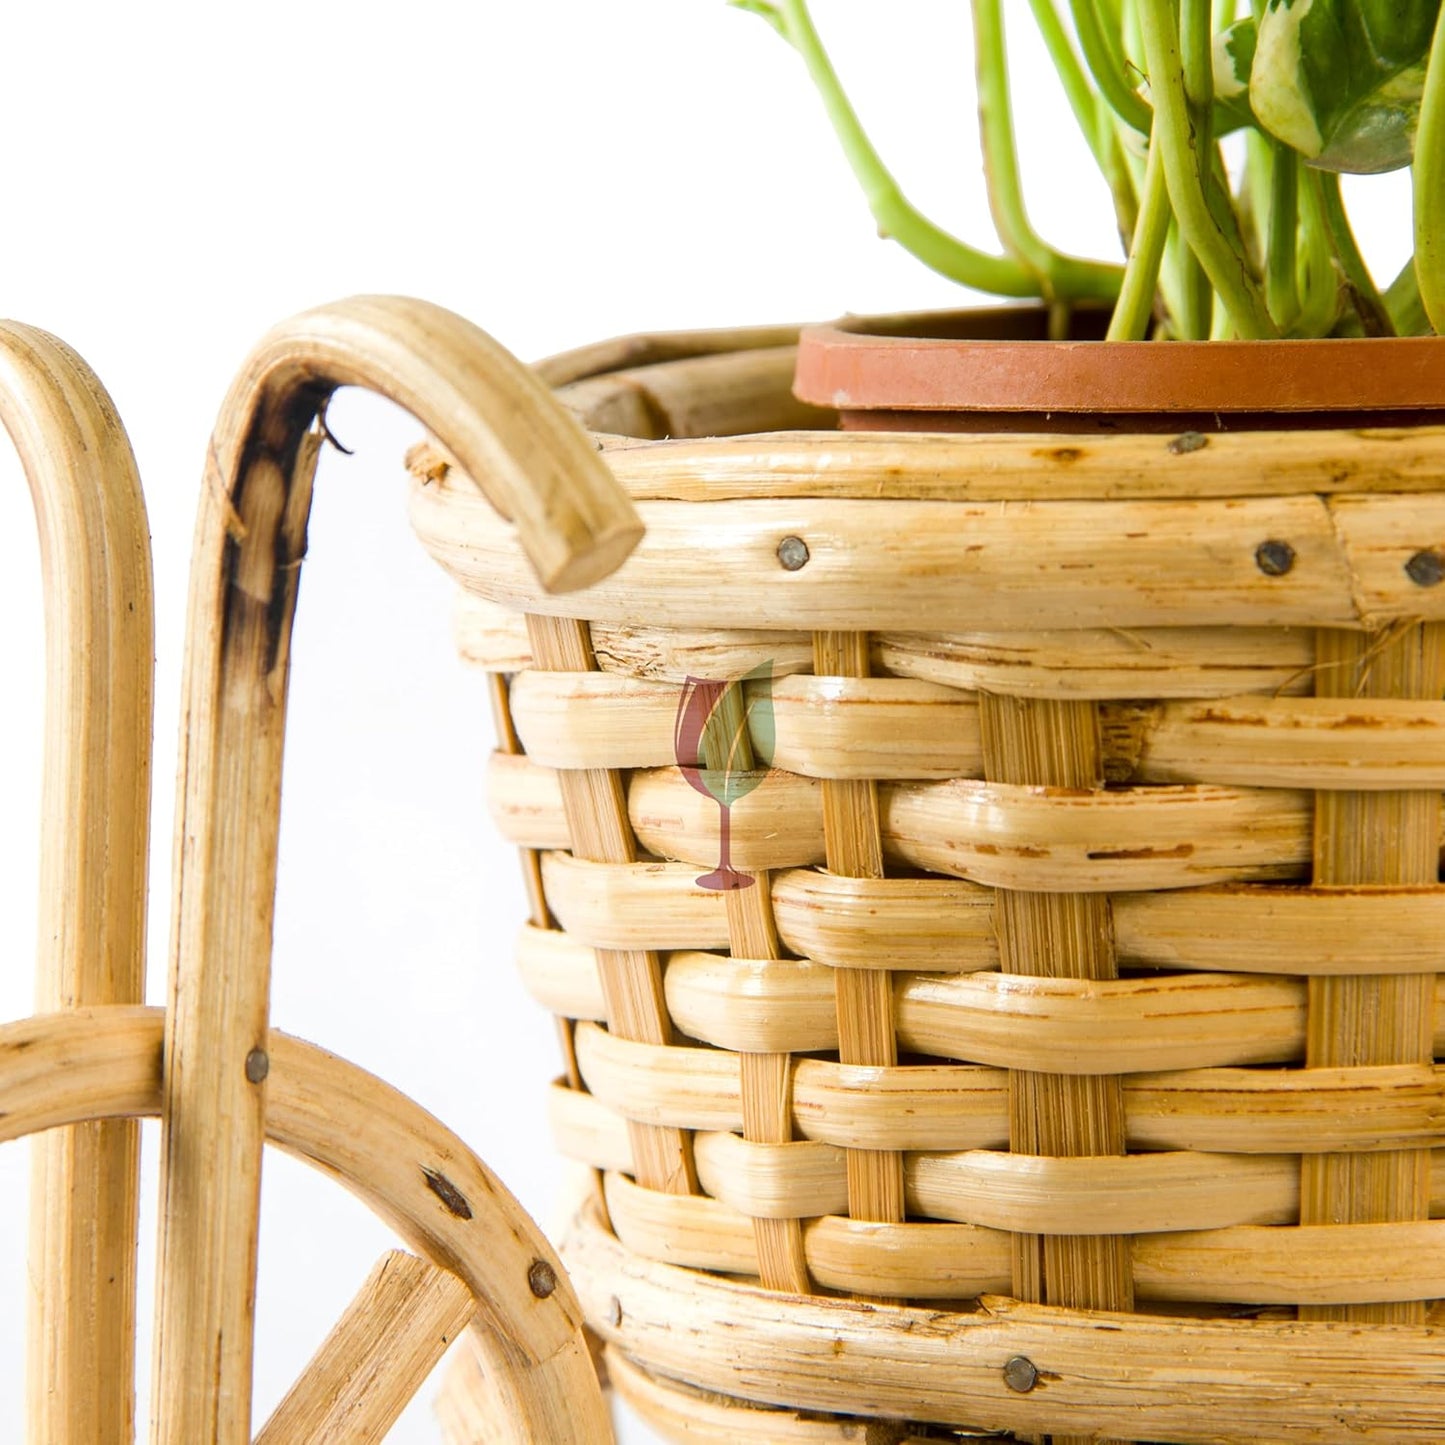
(873,363)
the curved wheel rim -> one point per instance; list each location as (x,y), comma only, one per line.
(106,1063)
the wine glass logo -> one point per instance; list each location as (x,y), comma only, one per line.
(723,742)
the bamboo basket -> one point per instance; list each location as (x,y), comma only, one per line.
(1068,1069)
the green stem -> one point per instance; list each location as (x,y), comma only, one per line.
(896,217)
(1319,280)
(1281,291)
(1071,75)
(1429,183)
(1254,192)
(1117,172)
(1370,305)
(1061,277)
(1105,57)
(1130,321)
(1196,298)
(1402,301)
(1222,263)
(1196,49)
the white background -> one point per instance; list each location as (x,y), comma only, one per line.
(179,176)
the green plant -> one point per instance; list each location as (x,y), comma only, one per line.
(1318,87)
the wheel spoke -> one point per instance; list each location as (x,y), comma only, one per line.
(376,1357)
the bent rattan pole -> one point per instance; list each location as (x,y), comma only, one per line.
(503,425)
(95,555)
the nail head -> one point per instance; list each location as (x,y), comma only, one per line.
(1020,1374)
(793,553)
(541,1278)
(1189,441)
(258,1065)
(1426,568)
(1274,558)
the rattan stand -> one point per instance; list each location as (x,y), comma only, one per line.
(221,1080)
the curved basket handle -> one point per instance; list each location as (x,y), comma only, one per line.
(95,817)
(576,524)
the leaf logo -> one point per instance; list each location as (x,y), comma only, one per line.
(723,742)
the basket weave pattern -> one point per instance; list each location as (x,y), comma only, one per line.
(1090,959)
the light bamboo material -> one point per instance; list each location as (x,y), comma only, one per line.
(597,829)
(1128,1025)
(997,834)
(690,1414)
(95,562)
(376,1356)
(862,998)
(959,1261)
(896,728)
(963,1106)
(971,565)
(695,396)
(1200,1382)
(106,1063)
(1085,961)
(1193,663)
(503,425)
(1388,839)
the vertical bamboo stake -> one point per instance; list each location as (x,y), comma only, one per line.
(540,916)
(853,842)
(1354,1021)
(500,422)
(95,819)
(766,1079)
(597,822)
(1058,935)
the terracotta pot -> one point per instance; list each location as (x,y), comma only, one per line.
(995,370)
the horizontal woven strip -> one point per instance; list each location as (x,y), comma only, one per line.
(1108,663)
(1247,1264)
(1118,1026)
(983,467)
(898,728)
(962,1106)
(915,1261)
(887,727)
(1105,663)
(1246,1380)
(1137,1193)
(880,565)
(936,923)
(1035,1194)
(1034,839)
(945,925)
(703,1417)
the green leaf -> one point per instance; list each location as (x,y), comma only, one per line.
(1340,80)
(768,11)
(1233,60)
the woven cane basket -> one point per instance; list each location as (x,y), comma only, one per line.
(1068,1068)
